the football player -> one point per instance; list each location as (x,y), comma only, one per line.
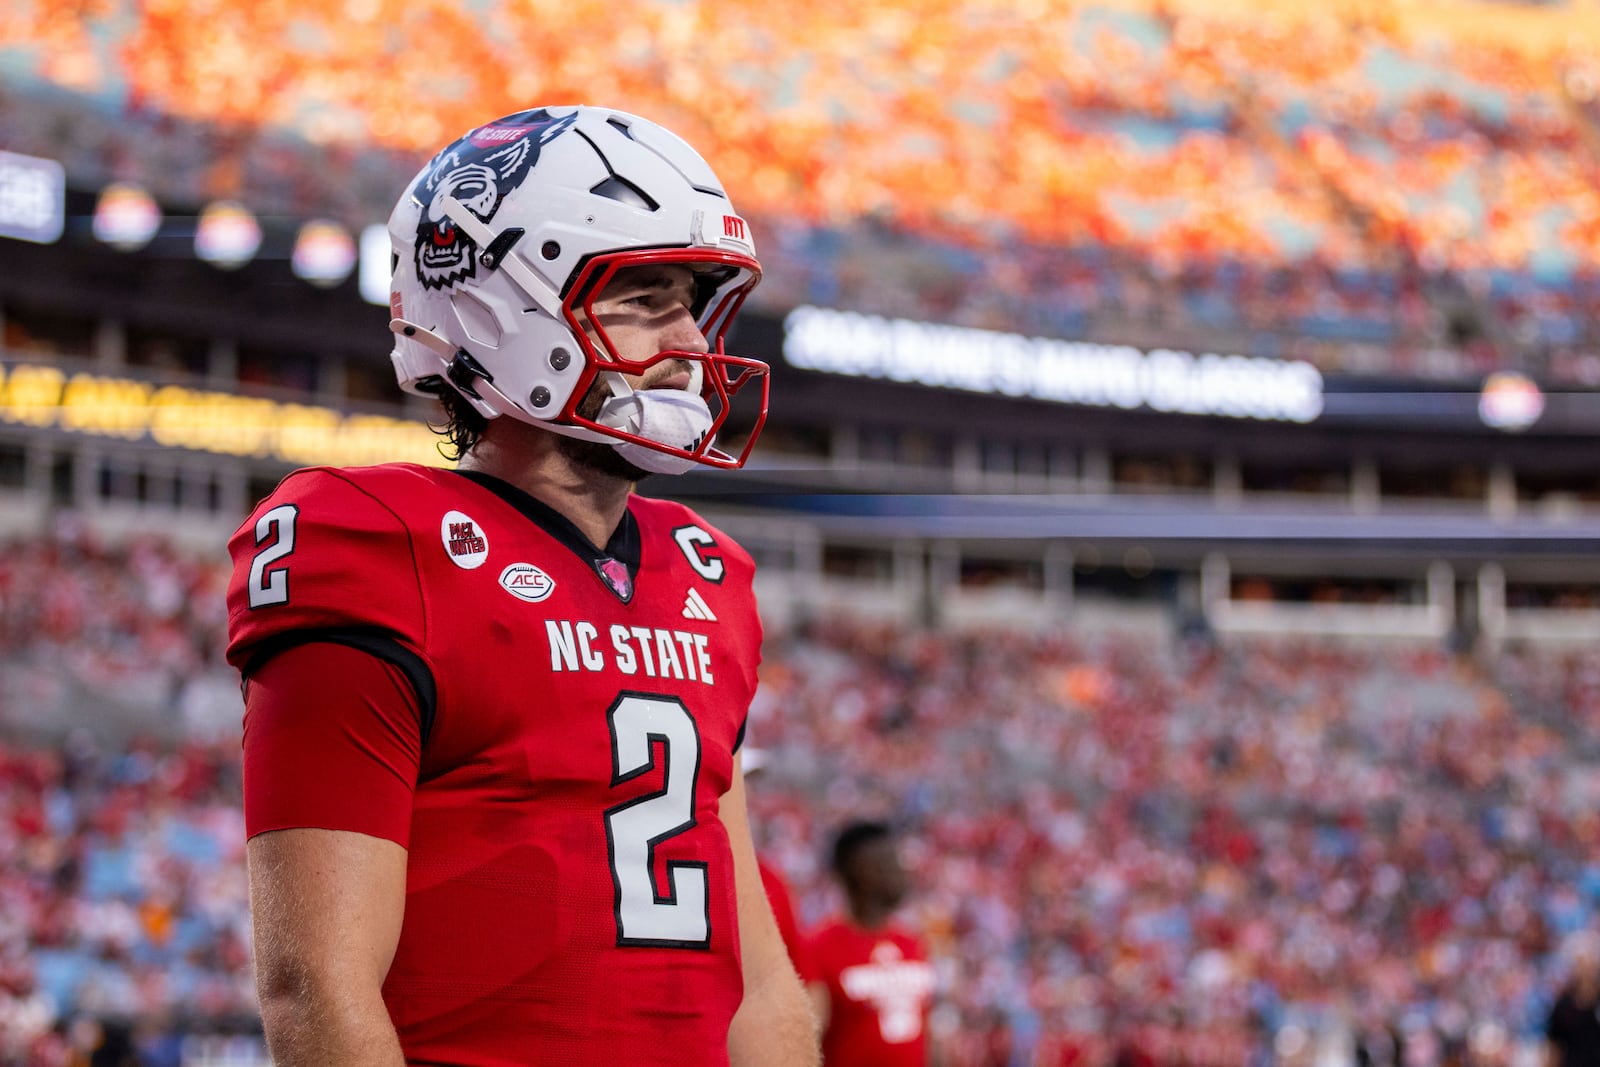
(871,984)
(493,714)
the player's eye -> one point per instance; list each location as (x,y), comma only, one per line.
(638,298)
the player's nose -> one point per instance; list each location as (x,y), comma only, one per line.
(683,334)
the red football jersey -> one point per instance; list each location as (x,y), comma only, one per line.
(880,989)
(570,889)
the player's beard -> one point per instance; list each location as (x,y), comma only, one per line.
(595,455)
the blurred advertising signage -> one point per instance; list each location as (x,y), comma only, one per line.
(33,198)
(1041,368)
(204,420)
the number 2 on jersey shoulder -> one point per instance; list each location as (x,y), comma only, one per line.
(269,585)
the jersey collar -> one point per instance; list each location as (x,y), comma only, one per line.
(616,565)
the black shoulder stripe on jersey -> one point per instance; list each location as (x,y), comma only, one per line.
(738,740)
(373,642)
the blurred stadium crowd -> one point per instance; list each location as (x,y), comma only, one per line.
(1202,854)
(1349,183)
(1125,852)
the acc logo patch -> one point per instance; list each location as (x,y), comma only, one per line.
(527,582)
(467,545)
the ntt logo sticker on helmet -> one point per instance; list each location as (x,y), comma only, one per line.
(527,582)
(479,170)
(726,230)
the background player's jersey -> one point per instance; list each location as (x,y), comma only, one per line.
(880,989)
(781,898)
(570,887)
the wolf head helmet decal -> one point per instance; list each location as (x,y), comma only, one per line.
(479,170)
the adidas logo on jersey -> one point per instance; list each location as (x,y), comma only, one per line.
(695,607)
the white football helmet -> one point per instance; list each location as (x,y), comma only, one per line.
(510,233)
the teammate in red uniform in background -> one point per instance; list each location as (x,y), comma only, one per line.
(493,715)
(779,895)
(871,983)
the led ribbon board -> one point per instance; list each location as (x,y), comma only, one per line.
(204,420)
(33,198)
(1042,368)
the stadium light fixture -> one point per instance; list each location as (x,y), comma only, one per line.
(126,217)
(1510,401)
(228,235)
(324,253)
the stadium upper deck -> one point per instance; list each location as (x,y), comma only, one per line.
(1254,176)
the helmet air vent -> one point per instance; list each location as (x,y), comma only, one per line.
(624,191)
(477,319)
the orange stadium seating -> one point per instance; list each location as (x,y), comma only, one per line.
(1294,181)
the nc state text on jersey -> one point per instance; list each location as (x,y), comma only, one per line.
(651,651)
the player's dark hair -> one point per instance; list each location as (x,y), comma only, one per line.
(463,425)
(851,838)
